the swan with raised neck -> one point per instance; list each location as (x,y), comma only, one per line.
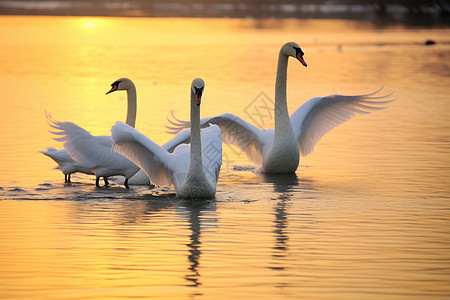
(127,85)
(284,156)
(196,184)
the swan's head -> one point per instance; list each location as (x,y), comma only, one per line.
(197,86)
(294,50)
(120,84)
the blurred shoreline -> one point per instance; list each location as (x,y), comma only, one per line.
(435,12)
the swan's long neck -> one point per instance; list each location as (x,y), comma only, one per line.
(196,144)
(196,183)
(283,156)
(131,111)
(282,122)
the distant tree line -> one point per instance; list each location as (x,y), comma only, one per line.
(236,8)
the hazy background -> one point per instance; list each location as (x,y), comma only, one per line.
(394,10)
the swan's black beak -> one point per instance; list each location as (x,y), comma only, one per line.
(198,96)
(300,59)
(299,54)
(114,87)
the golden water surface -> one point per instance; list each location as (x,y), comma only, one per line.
(365,216)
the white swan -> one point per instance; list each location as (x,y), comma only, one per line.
(67,165)
(277,150)
(94,152)
(192,169)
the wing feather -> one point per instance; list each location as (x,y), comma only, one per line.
(151,158)
(319,115)
(90,151)
(234,130)
(212,152)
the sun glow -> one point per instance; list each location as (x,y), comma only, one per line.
(89,23)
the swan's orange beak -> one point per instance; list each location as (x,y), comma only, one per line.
(198,98)
(300,58)
(113,88)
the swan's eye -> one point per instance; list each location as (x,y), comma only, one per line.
(298,51)
(198,91)
(114,87)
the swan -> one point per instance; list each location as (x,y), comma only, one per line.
(67,165)
(192,169)
(278,150)
(94,152)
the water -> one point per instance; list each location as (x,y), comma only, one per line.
(364,217)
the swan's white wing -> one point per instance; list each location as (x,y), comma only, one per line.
(212,152)
(90,151)
(79,143)
(235,131)
(181,138)
(179,163)
(146,154)
(319,115)
(211,157)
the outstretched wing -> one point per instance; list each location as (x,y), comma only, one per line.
(183,137)
(317,116)
(211,141)
(212,152)
(235,131)
(90,151)
(142,151)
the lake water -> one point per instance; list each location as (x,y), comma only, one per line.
(366,216)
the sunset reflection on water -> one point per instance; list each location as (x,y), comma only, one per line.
(363,217)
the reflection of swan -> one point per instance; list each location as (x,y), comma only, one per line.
(194,246)
(94,152)
(281,246)
(192,169)
(281,225)
(282,183)
(277,150)
(67,165)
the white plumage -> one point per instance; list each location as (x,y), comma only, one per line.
(192,169)
(67,165)
(95,152)
(278,150)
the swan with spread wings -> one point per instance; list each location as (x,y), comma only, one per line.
(94,152)
(278,150)
(192,169)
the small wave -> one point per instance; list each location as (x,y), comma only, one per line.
(160,192)
(16,189)
(244,168)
